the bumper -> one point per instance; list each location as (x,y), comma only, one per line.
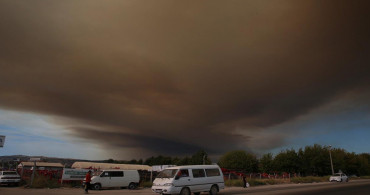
(166,189)
(6,181)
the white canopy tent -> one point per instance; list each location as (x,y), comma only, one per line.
(101,166)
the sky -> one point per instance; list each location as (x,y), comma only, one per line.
(135,79)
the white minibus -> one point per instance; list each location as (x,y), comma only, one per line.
(185,180)
(115,178)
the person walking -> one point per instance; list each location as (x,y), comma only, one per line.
(87,181)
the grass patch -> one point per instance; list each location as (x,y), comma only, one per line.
(309,179)
(146,184)
(256,182)
(234,182)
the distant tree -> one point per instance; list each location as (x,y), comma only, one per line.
(140,161)
(197,158)
(110,161)
(364,164)
(184,161)
(159,160)
(314,160)
(286,161)
(266,163)
(239,160)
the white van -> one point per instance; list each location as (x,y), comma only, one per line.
(10,178)
(115,178)
(185,180)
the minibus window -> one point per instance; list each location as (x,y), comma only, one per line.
(183,173)
(212,172)
(198,173)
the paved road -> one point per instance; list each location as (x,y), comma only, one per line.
(352,187)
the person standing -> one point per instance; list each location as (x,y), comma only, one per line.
(244,181)
(87,181)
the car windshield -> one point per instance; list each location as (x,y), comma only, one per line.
(337,174)
(9,173)
(167,173)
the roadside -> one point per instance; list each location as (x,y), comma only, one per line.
(265,190)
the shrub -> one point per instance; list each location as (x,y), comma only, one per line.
(309,179)
(146,184)
(41,181)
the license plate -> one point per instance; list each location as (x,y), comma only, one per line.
(158,191)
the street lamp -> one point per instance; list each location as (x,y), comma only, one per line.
(331,160)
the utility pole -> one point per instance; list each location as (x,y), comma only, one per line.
(331,161)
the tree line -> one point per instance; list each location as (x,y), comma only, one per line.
(309,161)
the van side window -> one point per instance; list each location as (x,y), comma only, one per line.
(198,173)
(212,172)
(183,173)
(116,174)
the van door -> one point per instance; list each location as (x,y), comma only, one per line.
(198,180)
(182,178)
(105,179)
(117,179)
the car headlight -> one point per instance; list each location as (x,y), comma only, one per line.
(168,184)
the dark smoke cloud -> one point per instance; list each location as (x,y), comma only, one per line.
(169,77)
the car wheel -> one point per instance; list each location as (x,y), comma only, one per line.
(185,191)
(97,186)
(213,190)
(131,186)
(196,193)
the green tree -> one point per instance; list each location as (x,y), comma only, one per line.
(314,160)
(364,164)
(266,163)
(197,158)
(239,160)
(286,161)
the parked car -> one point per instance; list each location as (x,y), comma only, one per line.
(339,177)
(116,178)
(185,180)
(9,178)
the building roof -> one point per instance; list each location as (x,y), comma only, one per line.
(40,164)
(102,166)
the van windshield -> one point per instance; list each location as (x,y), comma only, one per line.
(167,173)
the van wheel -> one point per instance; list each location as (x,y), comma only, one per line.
(196,193)
(97,186)
(185,191)
(213,190)
(131,186)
